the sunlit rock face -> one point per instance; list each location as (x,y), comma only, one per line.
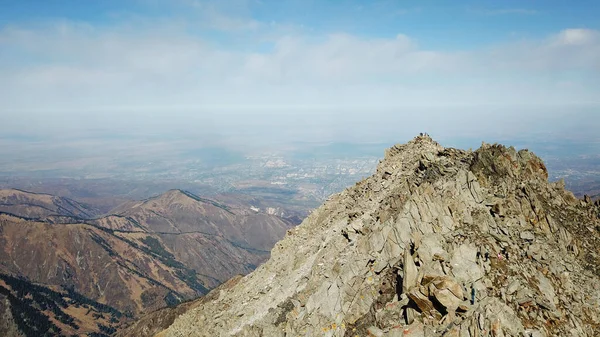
(438,242)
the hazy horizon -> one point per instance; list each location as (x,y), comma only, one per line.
(119,80)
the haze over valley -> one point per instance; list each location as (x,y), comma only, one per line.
(267,168)
(309,158)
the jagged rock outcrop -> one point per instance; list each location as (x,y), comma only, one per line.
(438,242)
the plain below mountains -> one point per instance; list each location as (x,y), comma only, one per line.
(58,261)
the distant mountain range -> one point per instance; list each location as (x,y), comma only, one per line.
(40,206)
(144,256)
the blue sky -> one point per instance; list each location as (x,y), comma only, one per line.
(86,60)
(467,23)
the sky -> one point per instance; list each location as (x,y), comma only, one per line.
(189,65)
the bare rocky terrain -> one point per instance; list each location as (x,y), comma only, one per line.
(438,242)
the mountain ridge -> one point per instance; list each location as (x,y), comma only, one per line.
(125,261)
(438,241)
(42,205)
(174,194)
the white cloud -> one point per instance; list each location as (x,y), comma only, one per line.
(73,66)
(339,57)
(568,50)
(577,37)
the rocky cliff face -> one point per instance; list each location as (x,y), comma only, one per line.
(438,242)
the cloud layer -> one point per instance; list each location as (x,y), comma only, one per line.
(233,61)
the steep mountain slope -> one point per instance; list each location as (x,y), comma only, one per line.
(291,209)
(153,323)
(217,240)
(177,211)
(28,309)
(107,267)
(39,206)
(438,242)
(153,254)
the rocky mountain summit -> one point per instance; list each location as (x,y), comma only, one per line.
(438,242)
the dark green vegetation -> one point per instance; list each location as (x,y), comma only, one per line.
(157,248)
(212,202)
(186,274)
(144,256)
(33,306)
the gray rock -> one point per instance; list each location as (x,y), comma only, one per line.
(527,235)
(464,264)
(447,292)
(421,300)
(535,333)
(513,287)
(520,265)
(545,287)
(374,331)
(414,330)
(410,272)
